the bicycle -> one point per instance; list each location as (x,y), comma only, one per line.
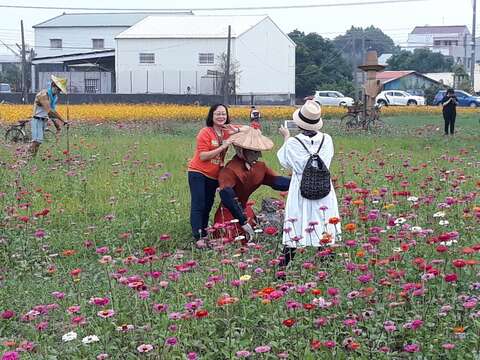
(17,133)
(354,118)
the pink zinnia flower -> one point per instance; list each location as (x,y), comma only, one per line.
(411,348)
(11,355)
(172,341)
(106,313)
(144,348)
(243,353)
(262,349)
(7,314)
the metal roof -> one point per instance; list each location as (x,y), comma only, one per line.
(388,76)
(101,19)
(456,29)
(197,26)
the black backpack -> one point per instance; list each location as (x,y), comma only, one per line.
(315,183)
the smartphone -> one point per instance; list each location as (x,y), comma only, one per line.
(290,125)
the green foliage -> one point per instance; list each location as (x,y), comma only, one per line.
(11,74)
(319,65)
(421,60)
(373,38)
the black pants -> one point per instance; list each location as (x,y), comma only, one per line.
(449,119)
(202,191)
(288,253)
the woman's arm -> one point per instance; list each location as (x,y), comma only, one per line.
(208,155)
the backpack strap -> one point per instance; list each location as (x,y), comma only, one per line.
(323,139)
(301,142)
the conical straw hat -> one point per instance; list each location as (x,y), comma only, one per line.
(251,139)
(60,82)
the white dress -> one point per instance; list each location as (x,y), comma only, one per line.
(307,221)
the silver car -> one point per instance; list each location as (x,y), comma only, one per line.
(332,98)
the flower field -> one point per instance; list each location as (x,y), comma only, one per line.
(122,112)
(97,261)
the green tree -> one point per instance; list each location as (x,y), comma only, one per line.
(421,60)
(359,39)
(319,65)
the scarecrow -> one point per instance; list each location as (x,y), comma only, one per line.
(241,177)
(45,108)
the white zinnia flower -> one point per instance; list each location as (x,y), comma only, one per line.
(412,198)
(439,214)
(400,221)
(90,339)
(443,222)
(448,243)
(72,335)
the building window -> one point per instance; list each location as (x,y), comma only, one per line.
(55,43)
(92,86)
(437,43)
(147,58)
(98,44)
(206,58)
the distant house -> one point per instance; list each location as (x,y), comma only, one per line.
(81,42)
(453,41)
(9,61)
(410,81)
(179,55)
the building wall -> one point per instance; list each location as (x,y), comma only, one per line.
(176,65)
(411,83)
(267,61)
(418,41)
(265,56)
(80,82)
(74,40)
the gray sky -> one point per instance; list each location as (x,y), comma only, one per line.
(395,19)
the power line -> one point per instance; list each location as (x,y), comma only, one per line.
(279,7)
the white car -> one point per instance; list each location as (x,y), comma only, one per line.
(398,97)
(332,98)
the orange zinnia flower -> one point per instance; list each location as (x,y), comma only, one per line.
(350,227)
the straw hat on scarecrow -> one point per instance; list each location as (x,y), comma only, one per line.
(59,82)
(251,138)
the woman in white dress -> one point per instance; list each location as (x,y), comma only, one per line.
(307,222)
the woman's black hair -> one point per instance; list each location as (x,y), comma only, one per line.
(209,121)
(450,91)
(309,133)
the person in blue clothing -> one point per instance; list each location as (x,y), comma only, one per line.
(449,105)
(45,108)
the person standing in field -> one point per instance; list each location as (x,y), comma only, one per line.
(449,105)
(203,169)
(307,222)
(45,108)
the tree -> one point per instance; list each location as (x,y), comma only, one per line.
(358,39)
(234,71)
(319,65)
(421,60)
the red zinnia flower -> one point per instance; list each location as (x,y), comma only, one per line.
(451,277)
(271,230)
(201,314)
(289,322)
(459,263)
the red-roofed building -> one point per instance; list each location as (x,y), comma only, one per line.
(451,41)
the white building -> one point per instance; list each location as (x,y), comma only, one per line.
(178,55)
(454,41)
(81,42)
(82,32)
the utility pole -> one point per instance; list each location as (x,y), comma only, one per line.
(472,60)
(24,67)
(226,75)
(354,65)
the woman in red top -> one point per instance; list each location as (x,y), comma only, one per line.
(203,169)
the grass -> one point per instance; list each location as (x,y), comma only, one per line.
(123,186)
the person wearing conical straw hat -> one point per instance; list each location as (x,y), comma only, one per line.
(45,108)
(307,222)
(241,177)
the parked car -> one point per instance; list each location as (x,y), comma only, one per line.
(464,98)
(5,88)
(399,97)
(332,98)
